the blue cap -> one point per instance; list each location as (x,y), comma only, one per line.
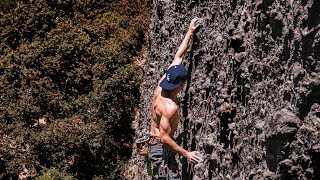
(175,75)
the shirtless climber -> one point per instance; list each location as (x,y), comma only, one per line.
(165,116)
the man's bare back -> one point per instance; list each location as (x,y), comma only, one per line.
(160,106)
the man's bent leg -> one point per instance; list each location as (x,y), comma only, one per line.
(163,161)
(155,155)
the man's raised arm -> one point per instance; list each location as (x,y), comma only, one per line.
(184,45)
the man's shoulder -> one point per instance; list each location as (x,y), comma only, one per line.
(164,105)
(169,108)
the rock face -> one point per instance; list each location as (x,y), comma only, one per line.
(251,104)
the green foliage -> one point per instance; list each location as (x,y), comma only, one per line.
(71,65)
(6,5)
(55,174)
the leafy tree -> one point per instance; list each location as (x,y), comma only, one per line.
(69,85)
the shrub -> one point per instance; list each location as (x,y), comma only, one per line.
(55,174)
(69,85)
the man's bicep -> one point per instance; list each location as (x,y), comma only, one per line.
(165,127)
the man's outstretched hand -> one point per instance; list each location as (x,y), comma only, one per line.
(194,157)
(195,24)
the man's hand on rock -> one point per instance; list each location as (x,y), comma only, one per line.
(194,25)
(194,157)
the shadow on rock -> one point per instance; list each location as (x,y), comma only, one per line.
(283,127)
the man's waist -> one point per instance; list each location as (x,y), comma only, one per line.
(154,139)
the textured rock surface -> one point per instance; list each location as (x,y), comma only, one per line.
(252,101)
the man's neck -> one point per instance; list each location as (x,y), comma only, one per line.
(169,94)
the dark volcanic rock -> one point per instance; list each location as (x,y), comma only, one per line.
(251,103)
